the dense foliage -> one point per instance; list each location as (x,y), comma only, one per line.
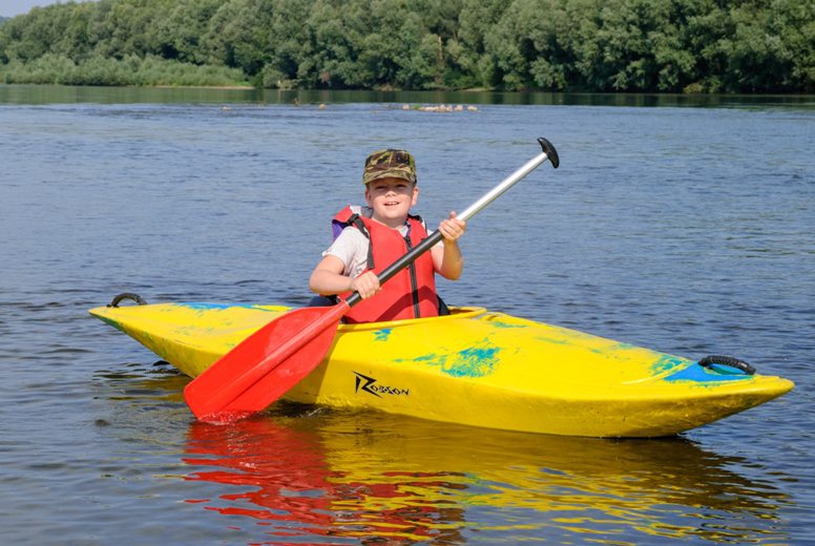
(764,46)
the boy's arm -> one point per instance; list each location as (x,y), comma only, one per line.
(447,258)
(328,279)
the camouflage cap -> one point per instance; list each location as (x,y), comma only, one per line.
(389,164)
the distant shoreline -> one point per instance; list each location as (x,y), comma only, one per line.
(221,87)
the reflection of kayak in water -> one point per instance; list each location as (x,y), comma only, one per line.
(282,475)
(348,474)
(473,367)
(274,468)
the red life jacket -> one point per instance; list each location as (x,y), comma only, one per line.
(411,293)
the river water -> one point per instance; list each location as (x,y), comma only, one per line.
(681,225)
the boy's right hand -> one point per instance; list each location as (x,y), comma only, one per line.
(367,284)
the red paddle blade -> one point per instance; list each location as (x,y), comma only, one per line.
(265,365)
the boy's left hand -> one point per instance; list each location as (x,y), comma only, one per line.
(452,228)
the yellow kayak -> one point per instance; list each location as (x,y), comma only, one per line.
(474,367)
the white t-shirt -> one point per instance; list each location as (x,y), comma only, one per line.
(351,247)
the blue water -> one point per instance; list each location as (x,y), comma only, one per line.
(686,228)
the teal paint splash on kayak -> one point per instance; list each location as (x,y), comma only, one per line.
(383,334)
(666,363)
(701,374)
(474,362)
(470,362)
(502,324)
(686,370)
(206,306)
(618,347)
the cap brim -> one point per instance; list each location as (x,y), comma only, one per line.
(401,175)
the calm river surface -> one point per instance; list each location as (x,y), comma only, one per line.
(679,225)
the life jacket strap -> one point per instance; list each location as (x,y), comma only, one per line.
(356,220)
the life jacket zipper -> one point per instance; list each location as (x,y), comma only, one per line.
(414,283)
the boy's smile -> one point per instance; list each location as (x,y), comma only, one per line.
(391,200)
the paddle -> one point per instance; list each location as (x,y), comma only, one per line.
(260,369)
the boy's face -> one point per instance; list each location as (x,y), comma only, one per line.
(391,200)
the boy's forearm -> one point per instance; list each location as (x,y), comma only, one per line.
(329,283)
(452,263)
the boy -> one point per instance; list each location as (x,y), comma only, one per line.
(374,237)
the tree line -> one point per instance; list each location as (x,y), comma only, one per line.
(670,46)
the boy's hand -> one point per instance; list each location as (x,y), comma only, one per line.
(367,284)
(452,228)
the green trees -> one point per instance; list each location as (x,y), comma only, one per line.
(757,46)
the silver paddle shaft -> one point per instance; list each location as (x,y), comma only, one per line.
(499,190)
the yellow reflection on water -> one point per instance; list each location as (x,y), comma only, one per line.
(301,474)
(375,477)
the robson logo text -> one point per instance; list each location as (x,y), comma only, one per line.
(369,385)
